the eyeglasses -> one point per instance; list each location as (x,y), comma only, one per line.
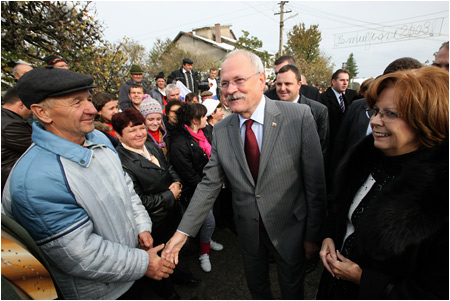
(385,114)
(237,82)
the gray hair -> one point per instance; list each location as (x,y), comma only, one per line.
(171,87)
(255,61)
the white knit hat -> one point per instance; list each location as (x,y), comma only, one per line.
(149,106)
(211,105)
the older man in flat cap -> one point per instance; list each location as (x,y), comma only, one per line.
(70,193)
(186,75)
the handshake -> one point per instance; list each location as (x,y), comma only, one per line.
(162,267)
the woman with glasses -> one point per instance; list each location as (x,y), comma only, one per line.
(388,232)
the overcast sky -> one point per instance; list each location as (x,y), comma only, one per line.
(376,32)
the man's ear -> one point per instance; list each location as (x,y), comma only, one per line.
(42,113)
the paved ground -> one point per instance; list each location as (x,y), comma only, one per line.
(226,281)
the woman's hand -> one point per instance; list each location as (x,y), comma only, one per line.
(175,187)
(328,250)
(343,268)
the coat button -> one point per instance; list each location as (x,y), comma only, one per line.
(82,161)
(258,196)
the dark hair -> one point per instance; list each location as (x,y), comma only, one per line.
(190,111)
(11,96)
(173,102)
(285,58)
(337,72)
(190,96)
(100,99)
(123,119)
(137,86)
(292,68)
(404,63)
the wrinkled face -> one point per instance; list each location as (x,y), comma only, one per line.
(393,136)
(160,83)
(212,74)
(172,115)
(109,109)
(174,94)
(218,114)
(441,59)
(134,136)
(153,121)
(72,116)
(341,83)
(287,86)
(245,86)
(136,95)
(137,78)
(207,97)
(61,65)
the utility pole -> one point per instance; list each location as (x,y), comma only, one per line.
(281,13)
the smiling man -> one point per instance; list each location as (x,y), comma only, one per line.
(70,193)
(287,86)
(136,95)
(274,165)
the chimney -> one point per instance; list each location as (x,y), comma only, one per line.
(217,32)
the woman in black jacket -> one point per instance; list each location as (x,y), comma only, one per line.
(189,153)
(154,179)
(388,231)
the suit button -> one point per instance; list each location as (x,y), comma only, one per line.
(258,196)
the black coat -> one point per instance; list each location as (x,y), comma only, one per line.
(16,138)
(151,184)
(179,75)
(188,159)
(402,240)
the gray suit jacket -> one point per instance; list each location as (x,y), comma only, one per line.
(290,192)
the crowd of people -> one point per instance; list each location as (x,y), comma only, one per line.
(111,188)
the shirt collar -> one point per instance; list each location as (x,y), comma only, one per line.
(336,93)
(258,114)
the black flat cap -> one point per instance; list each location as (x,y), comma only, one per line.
(187,61)
(41,83)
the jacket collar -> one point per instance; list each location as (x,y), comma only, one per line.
(65,148)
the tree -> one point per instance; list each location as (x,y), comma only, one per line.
(351,66)
(304,45)
(253,44)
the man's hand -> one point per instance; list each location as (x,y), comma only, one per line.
(175,188)
(174,246)
(158,268)
(345,269)
(311,249)
(146,240)
(328,250)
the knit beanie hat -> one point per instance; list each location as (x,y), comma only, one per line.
(149,106)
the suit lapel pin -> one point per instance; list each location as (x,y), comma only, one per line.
(274,124)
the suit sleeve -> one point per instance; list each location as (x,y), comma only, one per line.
(124,101)
(313,177)
(205,195)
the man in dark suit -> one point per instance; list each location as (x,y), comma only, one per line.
(274,165)
(308,91)
(186,75)
(288,85)
(16,131)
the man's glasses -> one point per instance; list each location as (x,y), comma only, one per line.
(237,82)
